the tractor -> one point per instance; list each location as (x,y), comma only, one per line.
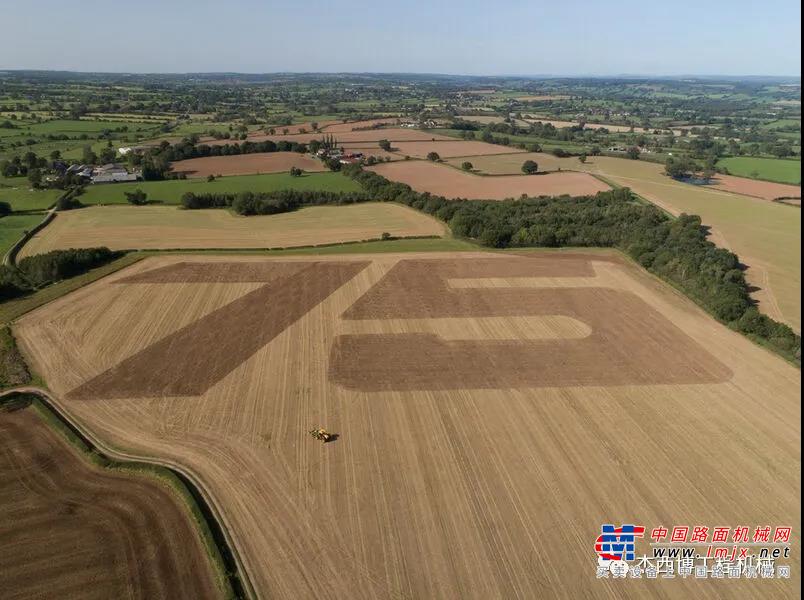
(323,435)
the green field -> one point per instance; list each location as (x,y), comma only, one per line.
(13,226)
(18,193)
(772,169)
(170,191)
(69,126)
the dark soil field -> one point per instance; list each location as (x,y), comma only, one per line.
(81,531)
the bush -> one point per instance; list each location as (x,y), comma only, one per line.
(137,197)
(529,167)
(467,166)
(433,157)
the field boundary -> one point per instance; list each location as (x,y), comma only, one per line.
(221,550)
(13,309)
(10,258)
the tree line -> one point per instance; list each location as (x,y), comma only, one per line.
(33,272)
(269,203)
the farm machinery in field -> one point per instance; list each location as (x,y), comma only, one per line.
(323,435)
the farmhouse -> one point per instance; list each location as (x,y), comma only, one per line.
(112,173)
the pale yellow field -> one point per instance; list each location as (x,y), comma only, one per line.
(765,235)
(148,227)
(433,492)
(503,164)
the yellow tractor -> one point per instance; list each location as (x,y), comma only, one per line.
(322,434)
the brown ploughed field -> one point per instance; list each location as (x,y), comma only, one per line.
(767,190)
(73,530)
(245,164)
(442,180)
(493,410)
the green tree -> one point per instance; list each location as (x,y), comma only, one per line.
(88,157)
(467,166)
(633,153)
(529,167)
(35,177)
(108,155)
(433,157)
(137,197)
(385,145)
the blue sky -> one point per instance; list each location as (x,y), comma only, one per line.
(565,37)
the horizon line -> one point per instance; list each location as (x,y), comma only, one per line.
(417,73)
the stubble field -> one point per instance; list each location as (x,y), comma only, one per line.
(442,180)
(368,135)
(245,164)
(155,227)
(79,531)
(493,410)
(448,149)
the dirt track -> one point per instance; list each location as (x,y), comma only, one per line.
(80,531)
(476,493)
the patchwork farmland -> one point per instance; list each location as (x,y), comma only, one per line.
(456,471)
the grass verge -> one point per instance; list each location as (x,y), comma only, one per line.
(13,369)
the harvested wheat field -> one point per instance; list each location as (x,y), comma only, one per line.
(767,190)
(339,127)
(152,227)
(81,531)
(296,128)
(492,411)
(485,119)
(369,135)
(505,164)
(442,180)
(245,164)
(563,124)
(448,149)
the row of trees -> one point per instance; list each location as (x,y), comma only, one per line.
(269,203)
(33,272)
(155,162)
